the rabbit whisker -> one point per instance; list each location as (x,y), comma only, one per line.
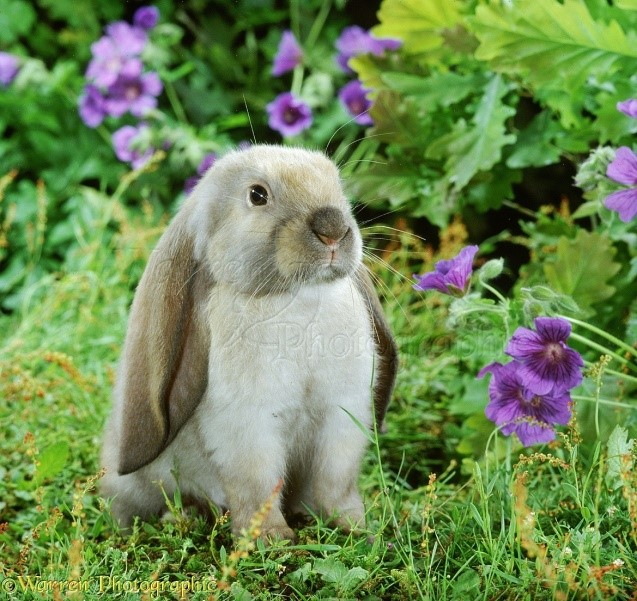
(394,229)
(375,258)
(387,291)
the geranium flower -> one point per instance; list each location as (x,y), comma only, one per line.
(624,171)
(124,144)
(288,56)
(9,67)
(92,106)
(205,164)
(135,94)
(354,99)
(628,107)
(355,40)
(130,40)
(547,363)
(450,277)
(109,63)
(516,409)
(146,17)
(289,115)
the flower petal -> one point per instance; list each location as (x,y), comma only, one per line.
(628,107)
(431,281)
(624,202)
(623,169)
(288,56)
(553,328)
(531,433)
(523,343)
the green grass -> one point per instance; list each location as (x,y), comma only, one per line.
(442,522)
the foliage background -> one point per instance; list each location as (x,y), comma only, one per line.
(481,123)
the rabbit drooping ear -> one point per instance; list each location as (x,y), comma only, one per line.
(386,352)
(163,373)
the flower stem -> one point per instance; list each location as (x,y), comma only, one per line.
(317,26)
(175,102)
(604,402)
(620,343)
(493,291)
(617,374)
(602,349)
(297,80)
(505,307)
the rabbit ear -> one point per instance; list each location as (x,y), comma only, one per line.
(163,374)
(386,351)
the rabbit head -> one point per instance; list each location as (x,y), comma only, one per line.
(269,219)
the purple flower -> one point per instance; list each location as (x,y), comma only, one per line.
(547,363)
(516,409)
(288,56)
(354,99)
(146,17)
(289,115)
(623,170)
(129,40)
(355,40)
(9,68)
(124,143)
(450,277)
(628,107)
(205,164)
(190,183)
(135,94)
(92,106)
(108,63)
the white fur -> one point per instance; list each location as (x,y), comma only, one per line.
(288,373)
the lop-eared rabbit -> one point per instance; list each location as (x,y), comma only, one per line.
(256,350)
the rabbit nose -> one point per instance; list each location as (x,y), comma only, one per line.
(330,241)
(329,226)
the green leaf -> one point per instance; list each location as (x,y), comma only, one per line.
(476,147)
(396,183)
(552,44)
(581,268)
(620,460)
(396,120)
(626,4)
(419,24)
(369,73)
(354,577)
(438,89)
(535,146)
(467,584)
(239,593)
(610,123)
(335,572)
(51,462)
(331,570)
(16,19)
(490,188)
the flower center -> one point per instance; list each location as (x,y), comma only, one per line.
(536,401)
(290,115)
(113,64)
(554,352)
(357,107)
(132,92)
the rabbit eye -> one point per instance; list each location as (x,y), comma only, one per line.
(258,196)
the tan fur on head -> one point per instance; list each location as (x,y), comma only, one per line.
(264,250)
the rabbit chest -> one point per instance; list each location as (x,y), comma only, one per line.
(287,362)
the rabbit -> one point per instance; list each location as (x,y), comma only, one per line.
(256,350)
